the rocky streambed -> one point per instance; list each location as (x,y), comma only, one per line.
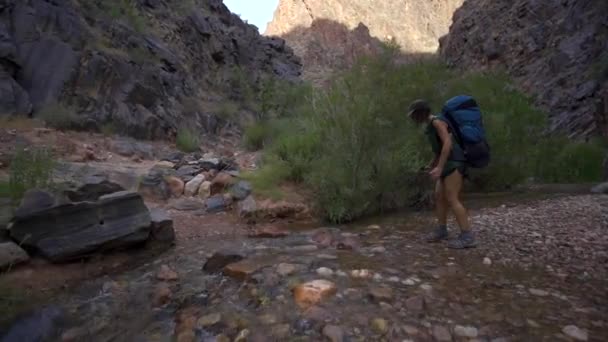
(539,274)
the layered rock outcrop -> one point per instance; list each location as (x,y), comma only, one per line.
(146,67)
(330,35)
(555,50)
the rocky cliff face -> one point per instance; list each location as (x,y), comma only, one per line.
(555,50)
(144,66)
(331,35)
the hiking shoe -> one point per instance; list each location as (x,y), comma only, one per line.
(464,240)
(440,233)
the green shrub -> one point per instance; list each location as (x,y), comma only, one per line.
(30,169)
(187,140)
(354,146)
(59,116)
(267,180)
(256,135)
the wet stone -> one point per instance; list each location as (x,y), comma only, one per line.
(220,259)
(381,294)
(209,320)
(410,330)
(268,232)
(539,293)
(415,303)
(462,331)
(268,319)
(441,333)
(317,314)
(285,269)
(162,295)
(242,336)
(334,333)
(325,272)
(167,274)
(313,292)
(379,326)
(576,333)
(244,269)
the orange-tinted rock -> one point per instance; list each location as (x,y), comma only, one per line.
(313,292)
(162,295)
(176,185)
(221,182)
(244,269)
(268,232)
(166,273)
(186,324)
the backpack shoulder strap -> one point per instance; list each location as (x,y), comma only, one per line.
(454,126)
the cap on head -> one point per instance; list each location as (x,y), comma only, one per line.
(419,106)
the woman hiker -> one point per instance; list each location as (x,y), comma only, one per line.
(448,170)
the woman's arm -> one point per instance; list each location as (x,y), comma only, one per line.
(446,140)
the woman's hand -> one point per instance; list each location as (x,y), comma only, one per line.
(435,173)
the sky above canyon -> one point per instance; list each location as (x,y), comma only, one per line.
(256,12)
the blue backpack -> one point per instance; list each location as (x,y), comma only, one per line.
(464,118)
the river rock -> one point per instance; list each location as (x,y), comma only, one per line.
(325,272)
(379,326)
(247,208)
(209,320)
(193,185)
(42,325)
(187,204)
(74,334)
(600,188)
(317,314)
(380,294)
(162,295)
(285,269)
(154,184)
(175,184)
(188,172)
(166,274)
(539,293)
(73,230)
(245,269)
(313,292)
(268,232)
(462,331)
(334,333)
(415,303)
(11,254)
(92,187)
(35,200)
(221,182)
(441,333)
(220,259)
(242,336)
(161,226)
(204,190)
(241,190)
(576,333)
(215,204)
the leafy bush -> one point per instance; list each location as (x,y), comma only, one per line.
(187,140)
(355,147)
(256,135)
(30,169)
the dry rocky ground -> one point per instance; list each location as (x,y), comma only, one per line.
(539,274)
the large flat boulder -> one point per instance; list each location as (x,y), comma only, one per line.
(74,230)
